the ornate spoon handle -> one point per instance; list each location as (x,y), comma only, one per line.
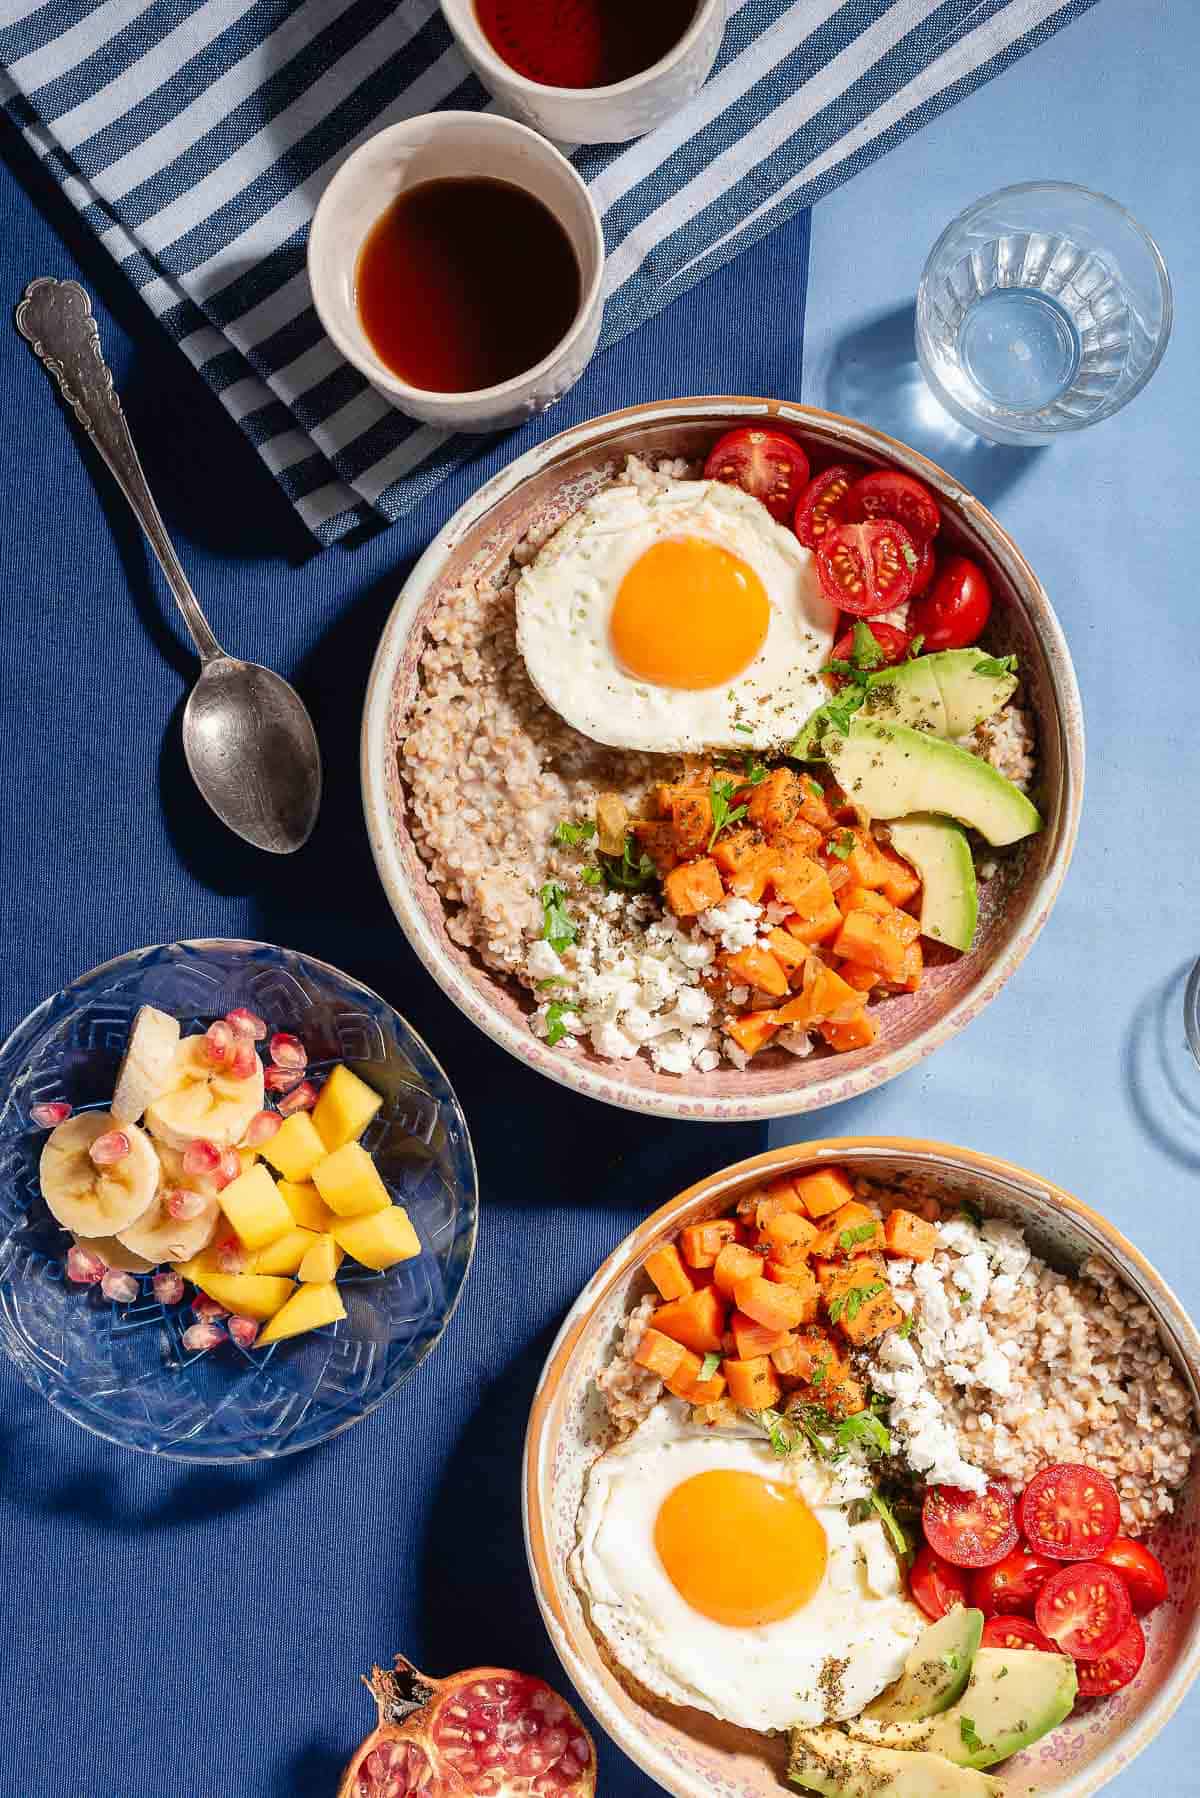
(55,318)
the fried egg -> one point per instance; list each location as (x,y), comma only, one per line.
(683,618)
(723,1577)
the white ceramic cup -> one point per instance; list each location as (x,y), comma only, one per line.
(438,145)
(595,115)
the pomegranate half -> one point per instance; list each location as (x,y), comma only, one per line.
(485,1733)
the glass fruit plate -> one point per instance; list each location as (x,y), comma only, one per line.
(122,1370)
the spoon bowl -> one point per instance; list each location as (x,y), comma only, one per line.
(252,751)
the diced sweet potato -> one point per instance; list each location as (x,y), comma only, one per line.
(697,779)
(818,928)
(744,859)
(814,804)
(775,801)
(914,969)
(661,1354)
(692,819)
(734,1263)
(752,1384)
(683,1377)
(860,978)
(865,938)
(851,1230)
(902,883)
(753,1030)
(752,1339)
(800,1280)
(706,1392)
(842,1397)
(855,1032)
(789,1236)
(697,1321)
(823,995)
(776,1306)
(864,861)
(805,1353)
(658,841)
(853,897)
(859,1300)
(798,838)
(777,1195)
(837,1277)
(824,1190)
(874,1316)
(909,1237)
(756,966)
(693,887)
(788,950)
(668,1272)
(700,1244)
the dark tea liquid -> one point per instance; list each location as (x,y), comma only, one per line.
(464,283)
(583,43)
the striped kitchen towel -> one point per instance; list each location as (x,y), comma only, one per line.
(196,136)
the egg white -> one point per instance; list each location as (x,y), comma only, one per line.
(766,1677)
(566,595)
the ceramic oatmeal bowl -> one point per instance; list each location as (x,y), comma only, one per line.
(542,489)
(689,1752)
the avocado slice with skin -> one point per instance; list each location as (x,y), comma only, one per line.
(944,694)
(891,771)
(1014,1697)
(941,854)
(936,1672)
(833,1764)
(970,693)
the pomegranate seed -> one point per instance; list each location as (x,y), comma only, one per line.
(206,1309)
(301,1098)
(182,1204)
(47,1116)
(244,1060)
(168,1288)
(246,1023)
(121,1288)
(288,1051)
(261,1128)
(201,1157)
(282,1080)
(244,1330)
(110,1148)
(229,1256)
(229,1170)
(202,1336)
(83,1267)
(220,1038)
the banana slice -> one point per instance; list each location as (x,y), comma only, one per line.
(171,1162)
(204,1102)
(160,1237)
(147,1069)
(97,1201)
(113,1253)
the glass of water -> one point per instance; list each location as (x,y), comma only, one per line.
(1042,309)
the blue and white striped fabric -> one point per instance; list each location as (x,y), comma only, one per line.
(196,136)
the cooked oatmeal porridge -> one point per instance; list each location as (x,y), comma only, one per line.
(695,908)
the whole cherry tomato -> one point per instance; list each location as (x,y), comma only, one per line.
(956,607)
(768,464)
(1141,1570)
(1011,1586)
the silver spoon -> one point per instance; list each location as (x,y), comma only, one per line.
(248,739)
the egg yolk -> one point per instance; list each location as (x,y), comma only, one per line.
(740,1549)
(689,614)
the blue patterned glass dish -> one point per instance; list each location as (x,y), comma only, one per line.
(121,1370)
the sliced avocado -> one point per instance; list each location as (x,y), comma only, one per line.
(1014,1697)
(891,771)
(908,694)
(936,1672)
(941,854)
(969,692)
(826,1761)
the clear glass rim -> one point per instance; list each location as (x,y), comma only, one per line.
(1122,212)
(1191,1012)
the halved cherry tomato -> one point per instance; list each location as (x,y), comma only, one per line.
(1085,1609)
(820,505)
(1012,1585)
(1116,1667)
(935,1585)
(768,464)
(867,568)
(1141,1570)
(1070,1512)
(957,606)
(886,493)
(1016,1632)
(893,646)
(970,1529)
(923,572)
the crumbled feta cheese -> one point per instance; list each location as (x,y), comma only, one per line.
(543,962)
(734,921)
(796,1042)
(612,1043)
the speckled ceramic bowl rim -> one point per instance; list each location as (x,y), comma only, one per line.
(857,1150)
(376,747)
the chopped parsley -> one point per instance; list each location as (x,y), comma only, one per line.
(996,665)
(746,729)
(559,928)
(849,1239)
(1002,1673)
(629,872)
(815,788)
(969,1734)
(906,1328)
(849,1304)
(573,834)
(964,1297)
(551,980)
(915,648)
(754,772)
(831,719)
(591,877)
(898,1536)
(844,846)
(555,1012)
(724,814)
(709,1366)
(820,1370)
(952,1661)
(864,1430)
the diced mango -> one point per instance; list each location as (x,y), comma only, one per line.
(254,1208)
(378,1239)
(349,1182)
(309,1308)
(344,1109)
(306,1205)
(321,1261)
(248,1295)
(295,1148)
(284,1255)
(247,1157)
